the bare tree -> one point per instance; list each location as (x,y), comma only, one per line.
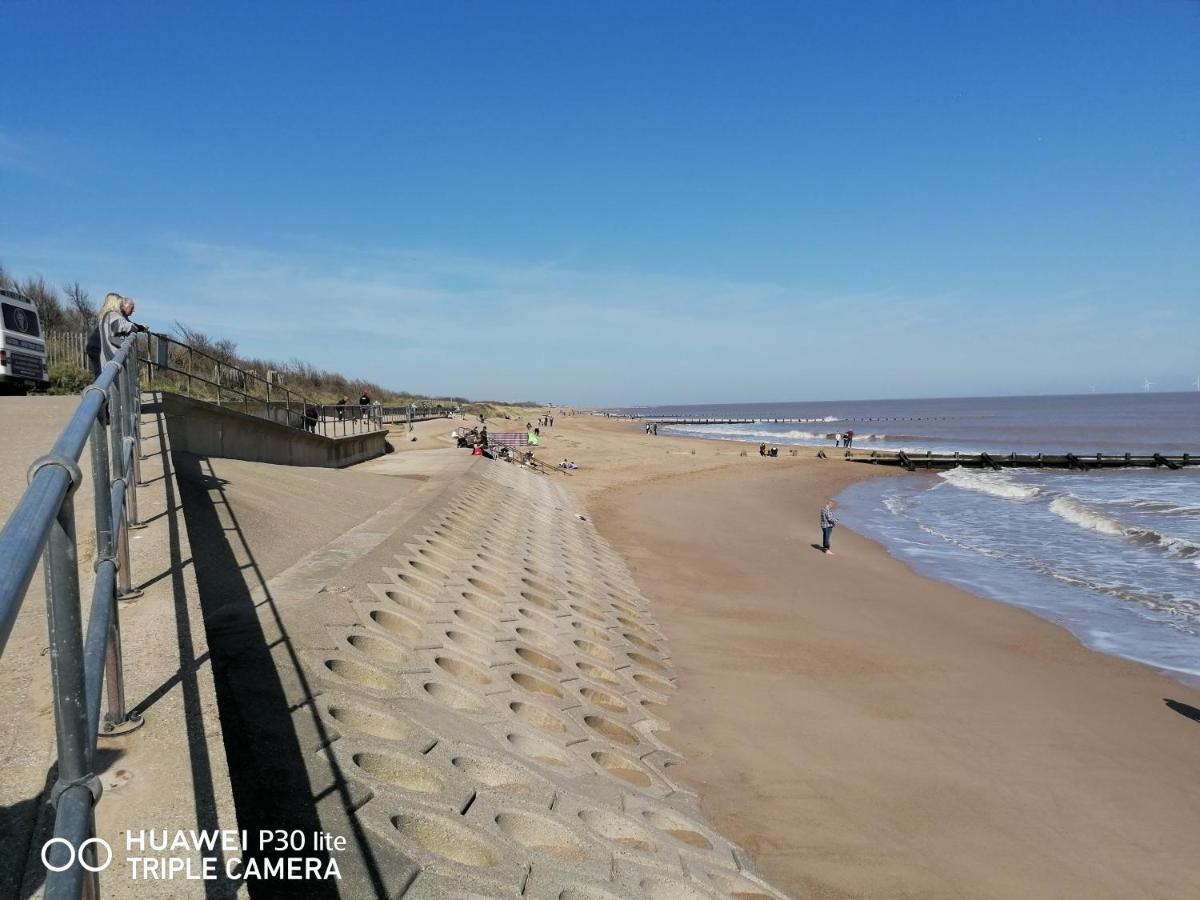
(226,351)
(80,308)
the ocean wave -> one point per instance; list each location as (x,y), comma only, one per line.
(1165,508)
(997,484)
(1146,505)
(1084,516)
(1186,610)
(751,431)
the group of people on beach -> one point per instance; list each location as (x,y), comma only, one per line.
(471,437)
(477,440)
(652,428)
(507,454)
(845,439)
(511,455)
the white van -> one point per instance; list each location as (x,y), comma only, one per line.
(23,359)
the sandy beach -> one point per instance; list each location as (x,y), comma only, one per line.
(865,731)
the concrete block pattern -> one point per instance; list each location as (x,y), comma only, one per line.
(496,698)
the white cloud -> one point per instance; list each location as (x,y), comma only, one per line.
(444,323)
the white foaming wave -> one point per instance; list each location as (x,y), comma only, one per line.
(997,484)
(1142,504)
(749,431)
(1185,609)
(1165,507)
(1085,516)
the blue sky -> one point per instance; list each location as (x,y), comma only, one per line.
(627,202)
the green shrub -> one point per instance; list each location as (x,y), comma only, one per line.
(68,379)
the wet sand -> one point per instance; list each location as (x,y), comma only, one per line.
(865,731)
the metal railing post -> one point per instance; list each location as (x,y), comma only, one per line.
(105,539)
(106,552)
(129,448)
(125,588)
(135,393)
(116,420)
(65,622)
(117,435)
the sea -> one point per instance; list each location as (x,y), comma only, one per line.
(1112,555)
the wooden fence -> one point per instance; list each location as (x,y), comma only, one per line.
(67,347)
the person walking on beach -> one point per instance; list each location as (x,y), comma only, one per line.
(849,439)
(828,523)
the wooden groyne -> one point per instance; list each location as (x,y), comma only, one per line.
(684,420)
(1078,462)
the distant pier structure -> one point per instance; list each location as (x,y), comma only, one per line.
(914,460)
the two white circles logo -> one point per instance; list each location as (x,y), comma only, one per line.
(79,854)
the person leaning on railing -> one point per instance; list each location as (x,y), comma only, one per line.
(113,326)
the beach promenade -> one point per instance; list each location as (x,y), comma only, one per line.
(636,680)
(432,659)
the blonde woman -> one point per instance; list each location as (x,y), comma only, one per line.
(111,330)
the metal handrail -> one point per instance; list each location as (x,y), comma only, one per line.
(235,386)
(43,522)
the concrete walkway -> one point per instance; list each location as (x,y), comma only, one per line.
(169,774)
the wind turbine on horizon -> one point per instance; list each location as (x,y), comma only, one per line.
(1148,384)
(1197,382)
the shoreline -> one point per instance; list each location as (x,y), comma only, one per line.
(864,730)
(1188,679)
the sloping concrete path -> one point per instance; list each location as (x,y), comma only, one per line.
(171,773)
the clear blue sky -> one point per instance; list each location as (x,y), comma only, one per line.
(627,202)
